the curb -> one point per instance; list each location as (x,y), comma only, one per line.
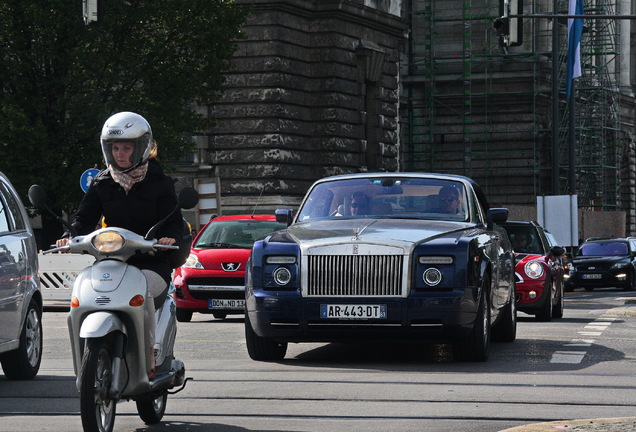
(619,424)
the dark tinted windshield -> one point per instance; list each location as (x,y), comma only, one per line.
(524,239)
(239,234)
(603,249)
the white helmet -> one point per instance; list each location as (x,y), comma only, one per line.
(127,127)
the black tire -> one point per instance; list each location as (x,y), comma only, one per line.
(261,348)
(589,289)
(506,328)
(544,314)
(569,288)
(476,347)
(96,407)
(557,309)
(219,315)
(184,315)
(152,408)
(24,362)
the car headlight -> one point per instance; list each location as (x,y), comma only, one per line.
(108,241)
(193,262)
(432,276)
(282,276)
(534,269)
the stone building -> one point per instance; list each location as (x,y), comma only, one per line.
(313,91)
(323,87)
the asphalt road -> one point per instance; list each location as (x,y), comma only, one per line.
(582,366)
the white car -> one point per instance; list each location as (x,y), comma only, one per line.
(20,295)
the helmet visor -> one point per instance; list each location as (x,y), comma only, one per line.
(126,154)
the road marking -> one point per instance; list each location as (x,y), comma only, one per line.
(595,328)
(572,357)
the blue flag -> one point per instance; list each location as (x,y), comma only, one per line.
(575,30)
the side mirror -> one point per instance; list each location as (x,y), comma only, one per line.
(188,198)
(557,251)
(37,196)
(284,216)
(497,215)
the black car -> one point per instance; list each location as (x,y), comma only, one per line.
(384,256)
(604,262)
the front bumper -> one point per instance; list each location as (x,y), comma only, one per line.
(287,317)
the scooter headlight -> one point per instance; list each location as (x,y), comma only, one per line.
(108,242)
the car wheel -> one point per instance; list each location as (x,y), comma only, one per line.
(219,315)
(589,289)
(557,309)
(506,328)
(262,348)
(24,362)
(184,315)
(545,313)
(569,288)
(476,347)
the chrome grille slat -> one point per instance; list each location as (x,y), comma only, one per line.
(355,275)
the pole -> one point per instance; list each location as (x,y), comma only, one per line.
(555,100)
(572,141)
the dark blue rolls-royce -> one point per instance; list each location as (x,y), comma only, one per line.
(384,256)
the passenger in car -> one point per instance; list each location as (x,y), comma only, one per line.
(520,242)
(359,204)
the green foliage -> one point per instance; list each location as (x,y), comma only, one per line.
(61,79)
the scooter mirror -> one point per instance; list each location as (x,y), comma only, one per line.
(37,196)
(188,198)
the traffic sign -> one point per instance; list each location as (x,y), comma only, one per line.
(87,177)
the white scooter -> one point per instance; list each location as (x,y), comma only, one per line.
(111,353)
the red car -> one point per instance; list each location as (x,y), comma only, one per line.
(213,278)
(539,270)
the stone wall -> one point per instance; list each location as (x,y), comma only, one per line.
(312,92)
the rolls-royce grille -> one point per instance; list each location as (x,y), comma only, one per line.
(355,275)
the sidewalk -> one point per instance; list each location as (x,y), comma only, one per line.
(618,424)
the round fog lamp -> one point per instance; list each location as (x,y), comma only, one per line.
(432,276)
(532,294)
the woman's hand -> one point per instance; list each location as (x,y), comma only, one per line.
(166,241)
(61,243)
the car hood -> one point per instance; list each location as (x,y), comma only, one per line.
(599,259)
(403,233)
(212,259)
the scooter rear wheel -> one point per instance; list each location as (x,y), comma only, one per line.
(151,410)
(96,407)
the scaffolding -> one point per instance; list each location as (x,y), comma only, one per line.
(474,109)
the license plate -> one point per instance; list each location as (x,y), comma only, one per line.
(352,311)
(226,304)
(592,276)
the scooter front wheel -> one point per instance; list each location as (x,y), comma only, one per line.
(151,409)
(96,407)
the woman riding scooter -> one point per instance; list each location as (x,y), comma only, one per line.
(134,193)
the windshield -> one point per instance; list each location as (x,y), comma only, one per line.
(239,234)
(387,197)
(602,249)
(524,239)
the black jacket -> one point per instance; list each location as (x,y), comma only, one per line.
(147,202)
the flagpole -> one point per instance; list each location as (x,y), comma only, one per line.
(555,100)
(572,141)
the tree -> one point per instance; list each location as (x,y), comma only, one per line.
(61,79)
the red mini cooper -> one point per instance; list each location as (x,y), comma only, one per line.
(538,270)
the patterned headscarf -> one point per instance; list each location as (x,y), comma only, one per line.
(128,179)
